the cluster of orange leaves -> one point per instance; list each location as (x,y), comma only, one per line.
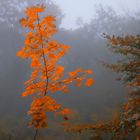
(46,76)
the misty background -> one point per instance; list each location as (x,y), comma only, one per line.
(81,25)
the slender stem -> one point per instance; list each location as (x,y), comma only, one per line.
(46,70)
(36,133)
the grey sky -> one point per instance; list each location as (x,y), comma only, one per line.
(86,9)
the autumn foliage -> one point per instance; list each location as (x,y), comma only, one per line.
(47,76)
(128,121)
(129,67)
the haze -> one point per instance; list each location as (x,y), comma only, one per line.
(88,49)
(86,9)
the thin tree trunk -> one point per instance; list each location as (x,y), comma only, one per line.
(36,133)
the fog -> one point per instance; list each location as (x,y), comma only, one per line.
(86,10)
(88,50)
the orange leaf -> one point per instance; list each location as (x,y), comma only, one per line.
(89,82)
(65,111)
(138,123)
